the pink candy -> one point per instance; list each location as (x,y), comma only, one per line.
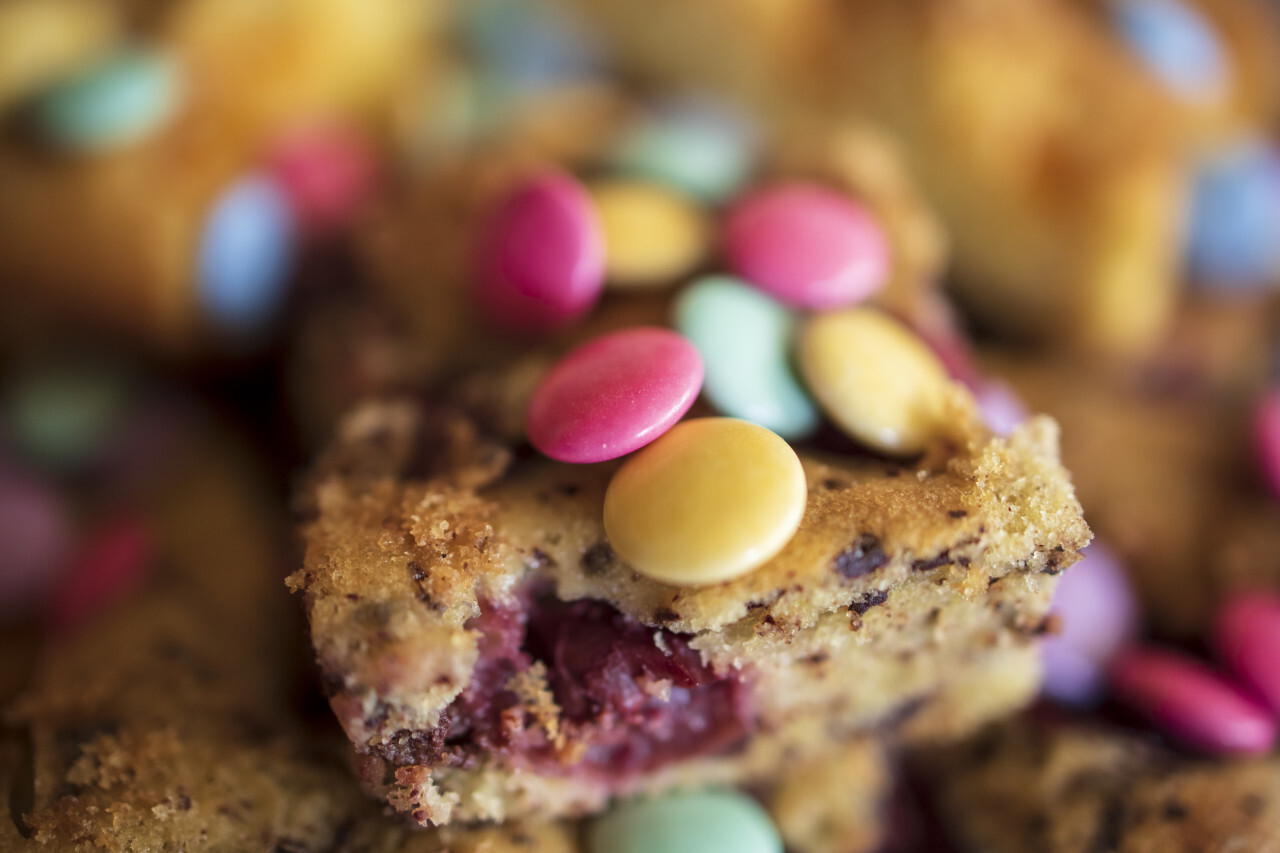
(109,566)
(1191,702)
(326,173)
(541,262)
(806,245)
(1267,438)
(1247,641)
(614,395)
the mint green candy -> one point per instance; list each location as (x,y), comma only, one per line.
(63,416)
(744,338)
(686,822)
(699,147)
(115,102)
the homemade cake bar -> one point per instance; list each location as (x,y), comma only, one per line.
(1081,787)
(490,656)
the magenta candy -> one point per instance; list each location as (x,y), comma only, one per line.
(614,395)
(1097,615)
(109,566)
(1246,638)
(326,173)
(1267,438)
(1191,702)
(541,261)
(807,245)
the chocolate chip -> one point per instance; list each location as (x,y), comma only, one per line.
(568,489)
(597,558)
(665,615)
(831,484)
(1252,805)
(957,513)
(863,603)
(1174,811)
(817,658)
(184,803)
(1110,830)
(862,557)
(932,563)
(416,572)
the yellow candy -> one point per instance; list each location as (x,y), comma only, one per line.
(652,234)
(711,500)
(873,377)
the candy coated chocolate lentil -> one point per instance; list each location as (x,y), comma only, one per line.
(1191,702)
(326,173)
(1246,638)
(686,822)
(246,255)
(541,262)
(63,416)
(1235,214)
(1177,44)
(699,147)
(652,234)
(118,101)
(807,245)
(34,534)
(1000,406)
(1097,616)
(614,395)
(876,380)
(107,568)
(745,337)
(1266,433)
(711,500)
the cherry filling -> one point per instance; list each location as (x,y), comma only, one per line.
(631,698)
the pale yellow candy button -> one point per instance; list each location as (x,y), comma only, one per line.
(878,381)
(711,500)
(652,234)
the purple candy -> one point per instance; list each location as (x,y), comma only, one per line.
(34,539)
(807,246)
(1191,703)
(1098,615)
(541,261)
(1000,406)
(1246,638)
(614,395)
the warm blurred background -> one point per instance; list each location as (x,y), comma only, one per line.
(223,222)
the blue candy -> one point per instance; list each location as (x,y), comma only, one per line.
(528,44)
(1234,235)
(113,103)
(698,146)
(1177,44)
(246,255)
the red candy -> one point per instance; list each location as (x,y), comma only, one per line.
(541,262)
(614,395)
(1191,702)
(326,173)
(806,245)
(109,566)
(1267,438)
(1247,640)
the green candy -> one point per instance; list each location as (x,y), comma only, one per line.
(118,101)
(697,148)
(686,822)
(62,417)
(744,338)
